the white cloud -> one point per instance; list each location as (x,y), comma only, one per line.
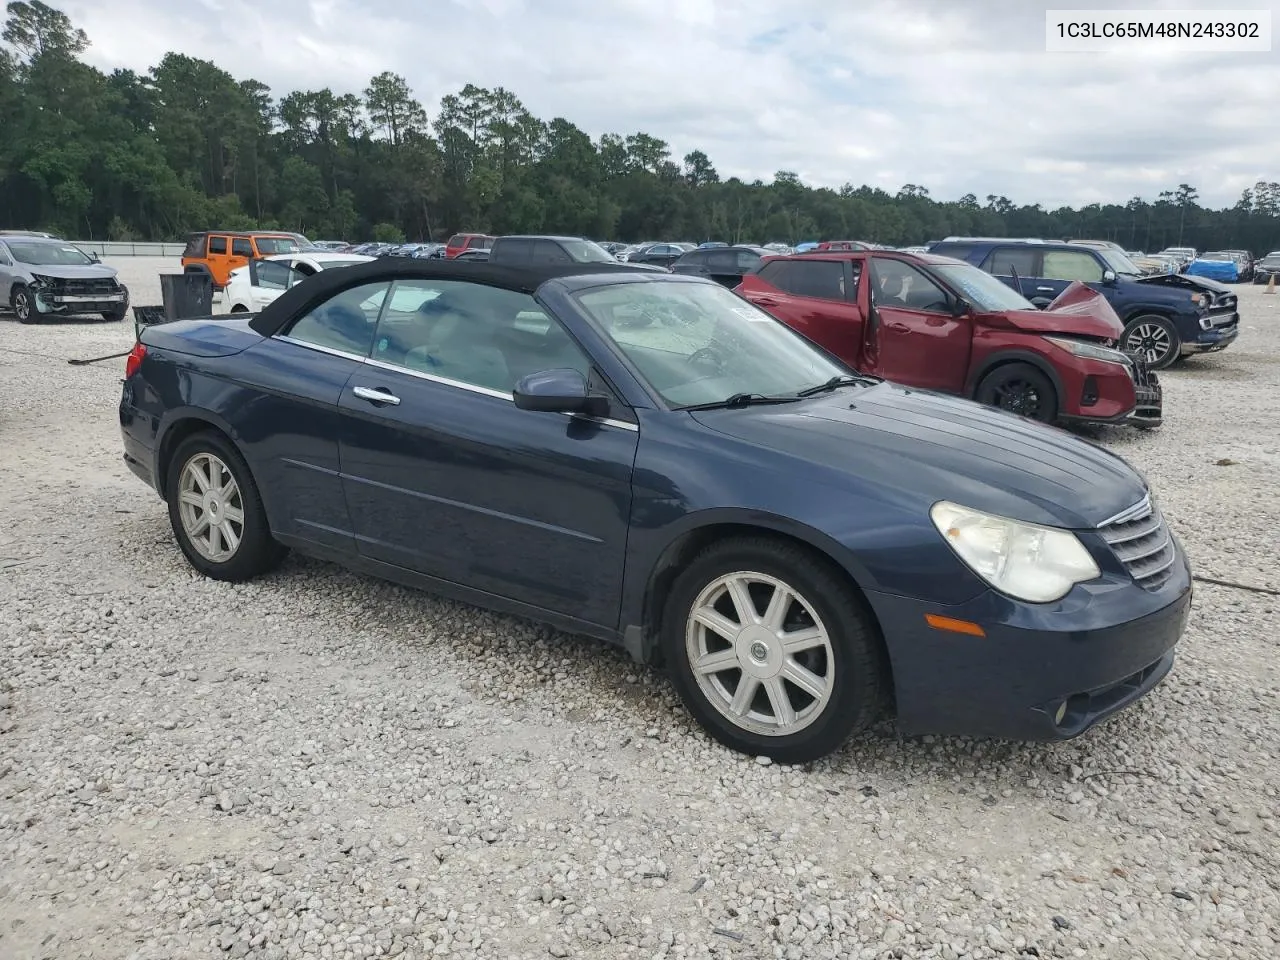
(957,97)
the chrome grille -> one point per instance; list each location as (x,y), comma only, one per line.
(1142,542)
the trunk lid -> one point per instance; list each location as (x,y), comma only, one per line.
(214,336)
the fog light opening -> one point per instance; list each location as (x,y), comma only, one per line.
(1090,394)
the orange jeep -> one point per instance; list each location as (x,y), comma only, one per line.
(218,252)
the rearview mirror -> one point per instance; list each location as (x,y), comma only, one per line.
(561,390)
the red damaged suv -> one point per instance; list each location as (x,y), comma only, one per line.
(942,324)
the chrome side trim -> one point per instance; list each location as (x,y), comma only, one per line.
(359,358)
(471,387)
(1138,510)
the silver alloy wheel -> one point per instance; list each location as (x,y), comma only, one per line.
(22,305)
(760,654)
(1151,341)
(211,507)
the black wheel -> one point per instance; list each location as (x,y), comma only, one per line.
(216,511)
(1154,339)
(772,651)
(24,307)
(115,316)
(239,308)
(1022,389)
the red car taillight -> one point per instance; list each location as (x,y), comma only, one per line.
(134,361)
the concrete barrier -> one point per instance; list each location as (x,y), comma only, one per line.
(129,248)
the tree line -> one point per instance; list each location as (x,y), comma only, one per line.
(186,146)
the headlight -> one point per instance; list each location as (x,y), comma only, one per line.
(1026,561)
(39,280)
(1092,351)
(1201,300)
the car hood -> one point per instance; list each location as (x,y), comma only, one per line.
(1078,310)
(928,447)
(1184,281)
(89,271)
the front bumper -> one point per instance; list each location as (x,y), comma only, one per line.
(47,303)
(1011,683)
(1097,392)
(1218,337)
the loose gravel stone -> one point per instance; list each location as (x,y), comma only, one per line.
(319,765)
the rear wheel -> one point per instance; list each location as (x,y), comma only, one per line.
(1154,339)
(24,307)
(772,651)
(216,511)
(1022,389)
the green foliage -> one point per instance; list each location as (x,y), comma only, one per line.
(188,147)
(387,233)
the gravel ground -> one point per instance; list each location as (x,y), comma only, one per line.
(318,764)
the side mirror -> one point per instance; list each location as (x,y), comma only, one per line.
(562,390)
(960,307)
(1108,276)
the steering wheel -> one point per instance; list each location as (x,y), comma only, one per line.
(706,357)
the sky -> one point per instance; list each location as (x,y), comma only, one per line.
(959,97)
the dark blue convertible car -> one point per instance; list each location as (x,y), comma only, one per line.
(649,459)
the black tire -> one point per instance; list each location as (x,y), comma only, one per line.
(257,551)
(855,666)
(115,316)
(23,304)
(239,308)
(1019,388)
(1154,338)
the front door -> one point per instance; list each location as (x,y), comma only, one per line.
(919,341)
(445,476)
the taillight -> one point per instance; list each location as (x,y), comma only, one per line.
(134,361)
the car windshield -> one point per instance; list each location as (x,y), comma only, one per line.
(699,343)
(1120,263)
(277,245)
(981,289)
(588,251)
(48,254)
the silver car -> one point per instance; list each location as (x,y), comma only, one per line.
(42,277)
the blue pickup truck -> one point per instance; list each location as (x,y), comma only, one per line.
(1166,318)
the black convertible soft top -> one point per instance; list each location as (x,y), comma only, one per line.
(524,279)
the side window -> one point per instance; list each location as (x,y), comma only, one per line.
(274,275)
(747,261)
(1071,265)
(482,243)
(723,261)
(823,279)
(241,247)
(548,251)
(1004,261)
(516,251)
(4,256)
(217,246)
(899,284)
(345,321)
(472,334)
(195,245)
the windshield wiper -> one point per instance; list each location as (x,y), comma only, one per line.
(738,400)
(845,380)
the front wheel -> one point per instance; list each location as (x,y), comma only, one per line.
(772,651)
(1022,389)
(23,304)
(216,511)
(1154,339)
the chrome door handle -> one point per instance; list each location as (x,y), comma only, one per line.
(376,394)
(1044,289)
